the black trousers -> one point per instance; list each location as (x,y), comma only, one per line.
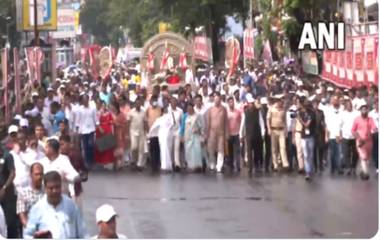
(291,151)
(154,153)
(255,144)
(234,152)
(350,155)
(375,149)
(319,154)
(268,152)
(11,218)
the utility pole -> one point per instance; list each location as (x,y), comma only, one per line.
(36,34)
(250,14)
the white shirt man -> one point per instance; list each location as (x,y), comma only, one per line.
(177,116)
(63,166)
(87,120)
(356,102)
(334,122)
(23,160)
(348,118)
(137,119)
(48,101)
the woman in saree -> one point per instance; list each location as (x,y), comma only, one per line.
(191,133)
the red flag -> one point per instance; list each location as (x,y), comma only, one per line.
(249,44)
(34,57)
(164,60)
(183,62)
(150,62)
(16,66)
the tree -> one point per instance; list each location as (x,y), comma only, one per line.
(141,17)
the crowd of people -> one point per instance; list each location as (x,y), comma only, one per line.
(263,119)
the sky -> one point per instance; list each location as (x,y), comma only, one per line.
(236,28)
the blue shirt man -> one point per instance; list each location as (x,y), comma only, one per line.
(55,215)
(58,117)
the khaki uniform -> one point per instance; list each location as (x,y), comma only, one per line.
(276,119)
(298,143)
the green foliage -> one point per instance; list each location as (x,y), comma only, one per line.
(142,17)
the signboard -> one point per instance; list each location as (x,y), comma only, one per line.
(201,51)
(72,4)
(65,24)
(310,62)
(46,15)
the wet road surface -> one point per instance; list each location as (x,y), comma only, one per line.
(234,206)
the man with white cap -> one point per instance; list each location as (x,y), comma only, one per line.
(362,129)
(252,129)
(106,221)
(51,97)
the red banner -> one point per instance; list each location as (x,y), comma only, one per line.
(201,48)
(349,63)
(94,60)
(34,58)
(249,43)
(16,66)
(355,66)
(359,60)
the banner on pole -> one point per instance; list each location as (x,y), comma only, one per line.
(249,44)
(267,53)
(105,61)
(34,58)
(232,55)
(201,50)
(94,60)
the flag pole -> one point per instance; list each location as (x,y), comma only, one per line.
(36,34)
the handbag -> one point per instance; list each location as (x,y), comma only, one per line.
(106,142)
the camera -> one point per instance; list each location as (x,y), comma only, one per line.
(293,114)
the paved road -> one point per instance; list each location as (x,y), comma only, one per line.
(233,206)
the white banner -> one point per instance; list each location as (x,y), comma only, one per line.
(65,24)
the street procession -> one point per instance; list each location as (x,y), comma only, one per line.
(189,119)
